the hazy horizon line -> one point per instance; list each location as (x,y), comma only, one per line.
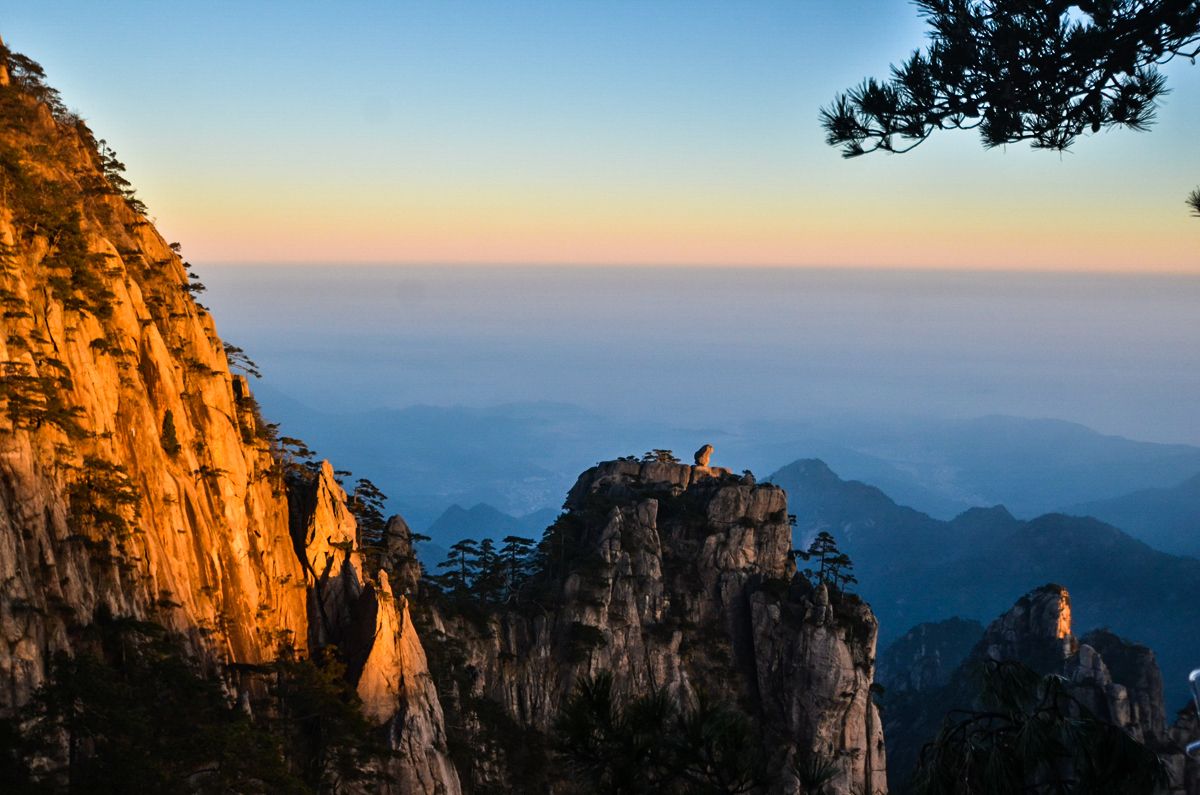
(708,266)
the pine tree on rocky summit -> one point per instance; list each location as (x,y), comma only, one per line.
(487,573)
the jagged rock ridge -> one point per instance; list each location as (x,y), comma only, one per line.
(1116,680)
(682,581)
(136,477)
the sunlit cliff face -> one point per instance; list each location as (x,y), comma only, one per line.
(1064,614)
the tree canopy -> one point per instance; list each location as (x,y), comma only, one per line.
(1044,71)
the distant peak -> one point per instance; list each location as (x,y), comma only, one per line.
(980,513)
(812,468)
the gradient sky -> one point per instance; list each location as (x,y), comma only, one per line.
(580,131)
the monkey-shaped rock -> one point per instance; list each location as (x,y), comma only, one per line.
(703,455)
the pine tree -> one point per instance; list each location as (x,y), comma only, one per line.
(517,560)
(460,566)
(833,566)
(487,580)
(367,503)
(170,441)
(1046,72)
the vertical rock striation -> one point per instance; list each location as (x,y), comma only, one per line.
(357,611)
(1116,680)
(136,476)
(680,580)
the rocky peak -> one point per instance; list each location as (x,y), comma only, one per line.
(1036,631)
(626,478)
(1116,680)
(682,582)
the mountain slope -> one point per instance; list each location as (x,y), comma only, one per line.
(137,479)
(1166,518)
(914,569)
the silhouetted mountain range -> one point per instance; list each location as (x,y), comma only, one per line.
(485,521)
(914,568)
(520,457)
(1167,518)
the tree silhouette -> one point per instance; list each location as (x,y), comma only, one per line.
(487,573)
(366,502)
(1045,71)
(516,556)
(240,359)
(460,565)
(833,566)
(1029,735)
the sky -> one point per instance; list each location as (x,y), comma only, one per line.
(584,132)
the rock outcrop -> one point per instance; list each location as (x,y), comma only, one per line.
(137,478)
(1116,680)
(351,605)
(678,580)
(924,658)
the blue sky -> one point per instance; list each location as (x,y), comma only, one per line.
(591,132)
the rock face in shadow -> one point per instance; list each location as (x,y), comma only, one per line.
(137,478)
(924,658)
(679,579)
(1115,679)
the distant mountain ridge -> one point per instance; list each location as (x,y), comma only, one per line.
(1032,466)
(485,521)
(1168,517)
(521,457)
(913,568)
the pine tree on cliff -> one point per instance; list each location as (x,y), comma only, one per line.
(517,558)
(487,573)
(366,502)
(459,565)
(833,565)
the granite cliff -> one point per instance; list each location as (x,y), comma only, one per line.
(137,479)
(1116,680)
(676,579)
